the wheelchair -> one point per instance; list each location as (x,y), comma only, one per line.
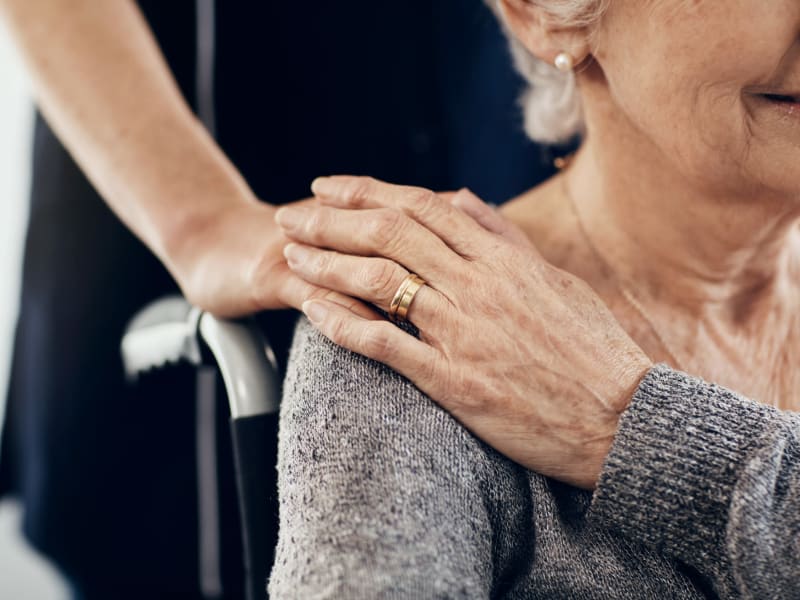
(171,331)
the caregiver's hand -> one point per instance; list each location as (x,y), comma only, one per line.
(523,354)
(233,264)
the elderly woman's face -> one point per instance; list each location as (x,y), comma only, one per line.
(714,84)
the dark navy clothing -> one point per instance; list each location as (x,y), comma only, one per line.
(417,92)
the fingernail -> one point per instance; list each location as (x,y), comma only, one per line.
(296,255)
(290,217)
(322,186)
(315,311)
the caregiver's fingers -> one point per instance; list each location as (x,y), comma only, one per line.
(487,216)
(381,341)
(375,232)
(457,230)
(375,280)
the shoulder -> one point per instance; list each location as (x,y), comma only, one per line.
(358,429)
(379,488)
(326,383)
(345,408)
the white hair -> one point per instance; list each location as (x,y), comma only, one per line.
(552,103)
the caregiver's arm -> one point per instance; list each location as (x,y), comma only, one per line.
(106,90)
(707,476)
(381,492)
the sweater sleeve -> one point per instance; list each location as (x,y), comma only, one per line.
(379,496)
(711,479)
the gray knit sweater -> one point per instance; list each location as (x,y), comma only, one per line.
(384,495)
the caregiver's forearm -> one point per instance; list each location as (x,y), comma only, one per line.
(106,90)
(710,478)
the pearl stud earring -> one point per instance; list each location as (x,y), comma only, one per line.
(564,62)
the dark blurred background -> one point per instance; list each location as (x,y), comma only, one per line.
(438,109)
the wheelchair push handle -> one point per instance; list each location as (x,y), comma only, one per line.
(252,393)
(171,331)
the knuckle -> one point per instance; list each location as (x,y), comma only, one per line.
(383,228)
(376,340)
(315,224)
(358,189)
(321,264)
(480,295)
(421,201)
(338,332)
(378,279)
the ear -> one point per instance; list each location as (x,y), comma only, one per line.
(543,38)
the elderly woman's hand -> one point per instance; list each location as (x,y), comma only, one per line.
(523,354)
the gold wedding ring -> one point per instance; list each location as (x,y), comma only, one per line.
(398,308)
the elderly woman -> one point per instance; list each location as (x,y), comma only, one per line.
(679,210)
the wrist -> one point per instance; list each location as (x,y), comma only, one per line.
(190,236)
(621,391)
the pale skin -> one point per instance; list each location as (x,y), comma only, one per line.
(105,89)
(166,178)
(686,184)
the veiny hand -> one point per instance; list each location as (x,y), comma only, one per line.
(234,265)
(523,354)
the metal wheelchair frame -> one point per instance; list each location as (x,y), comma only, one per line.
(170,331)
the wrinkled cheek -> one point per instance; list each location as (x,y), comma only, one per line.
(704,132)
(717,134)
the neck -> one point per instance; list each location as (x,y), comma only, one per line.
(681,246)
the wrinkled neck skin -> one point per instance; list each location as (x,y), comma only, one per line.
(719,254)
(718,270)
